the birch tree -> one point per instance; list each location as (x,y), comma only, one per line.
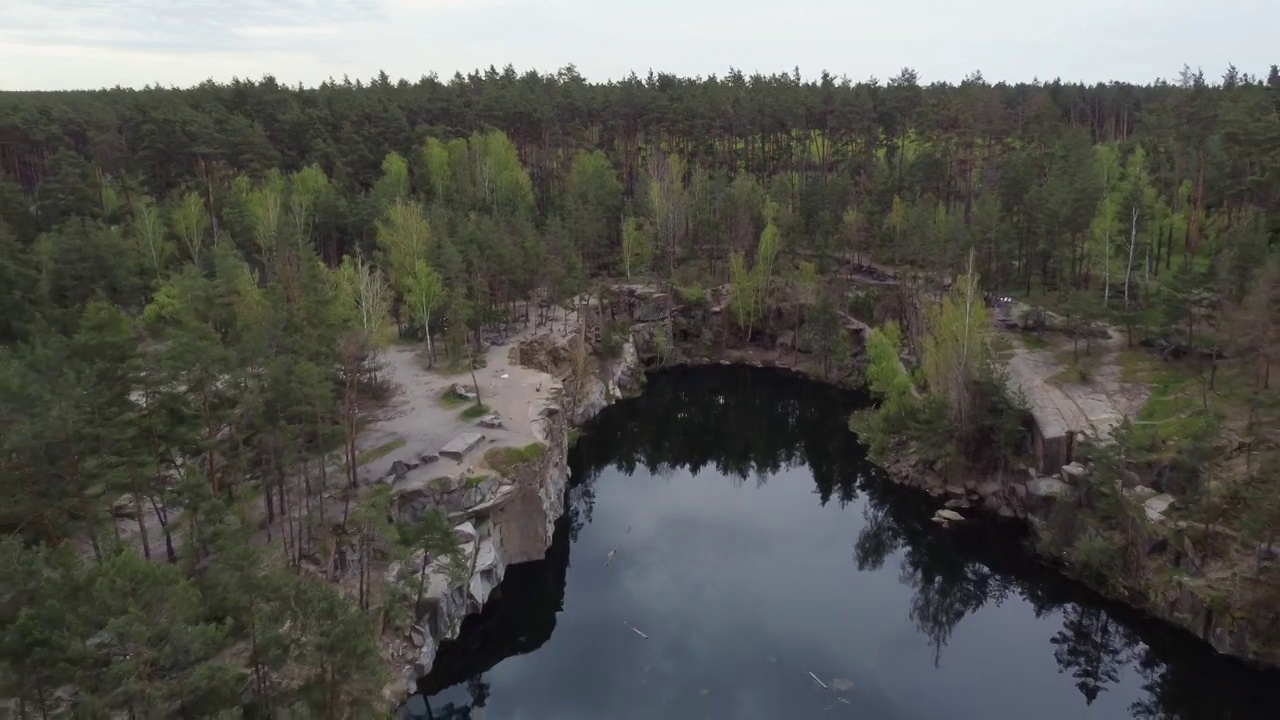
(368,294)
(393,187)
(151,237)
(405,238)
(1106,222)
(190,223)
(956,352)
(668,203)
(424,294)
(636,247)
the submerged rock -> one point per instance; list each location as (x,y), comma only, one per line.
(945,517)
(842,685)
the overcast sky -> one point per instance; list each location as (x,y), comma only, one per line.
(59,44)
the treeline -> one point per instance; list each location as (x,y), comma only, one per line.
(912,172)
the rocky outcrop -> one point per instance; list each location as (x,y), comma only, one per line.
(608,382)
(664,330)
(499,521)
(1176,585)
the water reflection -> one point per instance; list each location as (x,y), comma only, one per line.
(761,427)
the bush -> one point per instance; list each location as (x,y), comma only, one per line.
(1099,561)
(475,411)
(613,337)
(507,460)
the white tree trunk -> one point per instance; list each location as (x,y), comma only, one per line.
(1133,241)
(426,330)
(1106,270)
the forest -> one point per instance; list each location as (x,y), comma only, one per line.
(194,284)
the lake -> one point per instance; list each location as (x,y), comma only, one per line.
(729,552)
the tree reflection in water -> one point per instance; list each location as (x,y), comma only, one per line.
(751,424)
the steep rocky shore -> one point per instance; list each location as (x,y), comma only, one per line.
(1177,584)
(501,513)
(1174,585)
(503,519)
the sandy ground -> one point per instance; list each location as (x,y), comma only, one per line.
(417,416)
(425,424)
(1061,405)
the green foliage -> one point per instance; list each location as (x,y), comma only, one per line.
(693,293)
(592,209)
(901,413)
(382,450)
(956,347)
(637,247)
(749,288)
(450,399)
(474,412)
(506,461)
(613,336)
(186,326)
(1099,561)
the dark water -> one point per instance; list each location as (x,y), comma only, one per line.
(756,544)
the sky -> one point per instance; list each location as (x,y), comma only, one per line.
(66,44)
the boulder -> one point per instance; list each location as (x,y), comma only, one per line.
(124,508)
(428,458)
(465,532)
(463,392)
(1073,473)
(647,305)
(456,448)
(956,491)
(943,517)
(1140,493)
(399,469)
(1047,488)
(499,498)
(1157,506)
(1130,479)
(989,488)
(1006,511)
(492,421)
(1043,493)
(957,504)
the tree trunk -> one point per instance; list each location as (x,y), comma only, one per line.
(426,332)
(1133,241)
(471,363)
(1106,271)
(422,585)
(142,522)
(164,525)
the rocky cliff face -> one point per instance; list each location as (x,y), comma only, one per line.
(504,521)
(666,330)
(501,520)
(1174,584)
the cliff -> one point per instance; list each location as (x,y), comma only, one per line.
(1159,566)
(503,501)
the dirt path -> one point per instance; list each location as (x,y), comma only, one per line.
(1062,403)
(425,424)
(416,419)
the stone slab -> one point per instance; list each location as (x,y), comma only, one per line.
(458,447)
